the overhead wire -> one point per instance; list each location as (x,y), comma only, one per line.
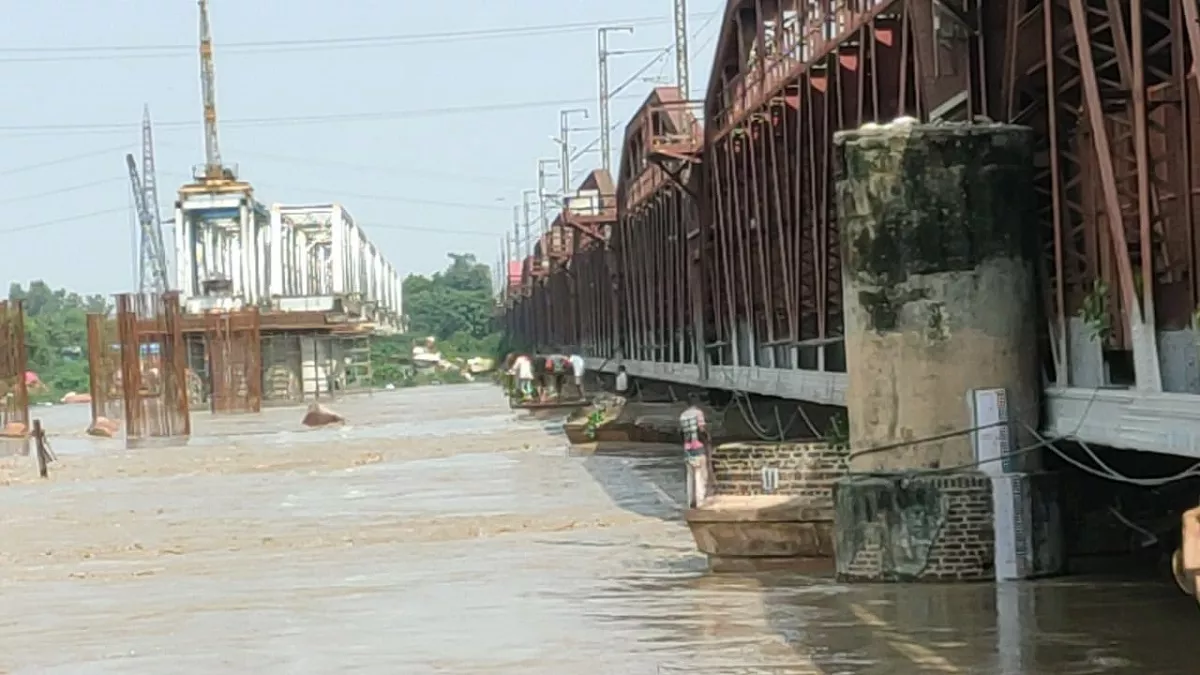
(62,190)
(122,52)
(416,201)
(660,55)
(616,92)
(64,219)
(63,160)
(386,115)
(358,166)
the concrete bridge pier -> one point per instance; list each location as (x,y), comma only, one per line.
(940,335)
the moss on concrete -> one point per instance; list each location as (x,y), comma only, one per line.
(923,199)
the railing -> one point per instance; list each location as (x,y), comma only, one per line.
(799,44)
(644,185)
(685,117)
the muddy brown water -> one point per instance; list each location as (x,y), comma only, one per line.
(443,533)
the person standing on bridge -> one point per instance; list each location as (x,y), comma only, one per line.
(622,384)
(523,369)
(694,427)
(578,368)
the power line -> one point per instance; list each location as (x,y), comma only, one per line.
(125,209)
(659,56)
(418,228)
(414,113)
(124,52)
(424,173)
(342,194)
(416,201)
(65,219)
(63,190)
(63,160)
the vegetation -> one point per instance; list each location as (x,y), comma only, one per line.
(455,306)
(56,336)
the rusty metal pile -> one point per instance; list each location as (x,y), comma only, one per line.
(14,394)
(730,230)
(153,366)
(234,344)
(150,367)
(104,368)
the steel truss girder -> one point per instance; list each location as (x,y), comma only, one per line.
(651,243)
(1105,85)
(772,254)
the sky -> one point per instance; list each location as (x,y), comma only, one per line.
(425,130)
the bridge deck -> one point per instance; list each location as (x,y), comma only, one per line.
(1120,418)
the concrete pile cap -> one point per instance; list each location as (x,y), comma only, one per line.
(910,127)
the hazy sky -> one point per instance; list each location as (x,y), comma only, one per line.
(77,72)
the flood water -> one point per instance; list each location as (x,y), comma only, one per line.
(443,533)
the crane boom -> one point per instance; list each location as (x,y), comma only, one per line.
(153,259)
(150,188)
(214,169)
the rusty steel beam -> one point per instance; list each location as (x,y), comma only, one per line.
(774,294)
(104,367)
(233,345)
(1104,84)
(656,210)
(558,304)
(14,393)
(153,366)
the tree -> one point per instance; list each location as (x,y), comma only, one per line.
(56,334)
(454,302)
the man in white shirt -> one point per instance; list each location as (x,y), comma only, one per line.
(693,427)
(578,368)
(622,380)
(523,368)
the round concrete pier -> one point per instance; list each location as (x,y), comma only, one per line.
(937,276)
(936,226)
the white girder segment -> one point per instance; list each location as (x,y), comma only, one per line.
(289,252)
(220,237)
(323,252)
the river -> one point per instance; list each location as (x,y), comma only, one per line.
(441,532)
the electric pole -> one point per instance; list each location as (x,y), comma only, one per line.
(525,195)
(681,49)
(516,247)
(541,191)
(605,131)
(564,140)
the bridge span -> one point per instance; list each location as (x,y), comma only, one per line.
(716,260)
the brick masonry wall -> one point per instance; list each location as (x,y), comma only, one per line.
(805,469)
(915,528)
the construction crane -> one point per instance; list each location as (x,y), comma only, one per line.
(152,258)
(214,168)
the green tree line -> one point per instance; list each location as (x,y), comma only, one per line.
(56,335)
(455,306)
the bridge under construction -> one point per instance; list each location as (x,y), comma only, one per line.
(265,304)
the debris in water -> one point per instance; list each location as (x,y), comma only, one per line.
(14,430)
(320,416)
(104,427)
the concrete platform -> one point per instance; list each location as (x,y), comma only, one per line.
(763,532)
(550,405)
